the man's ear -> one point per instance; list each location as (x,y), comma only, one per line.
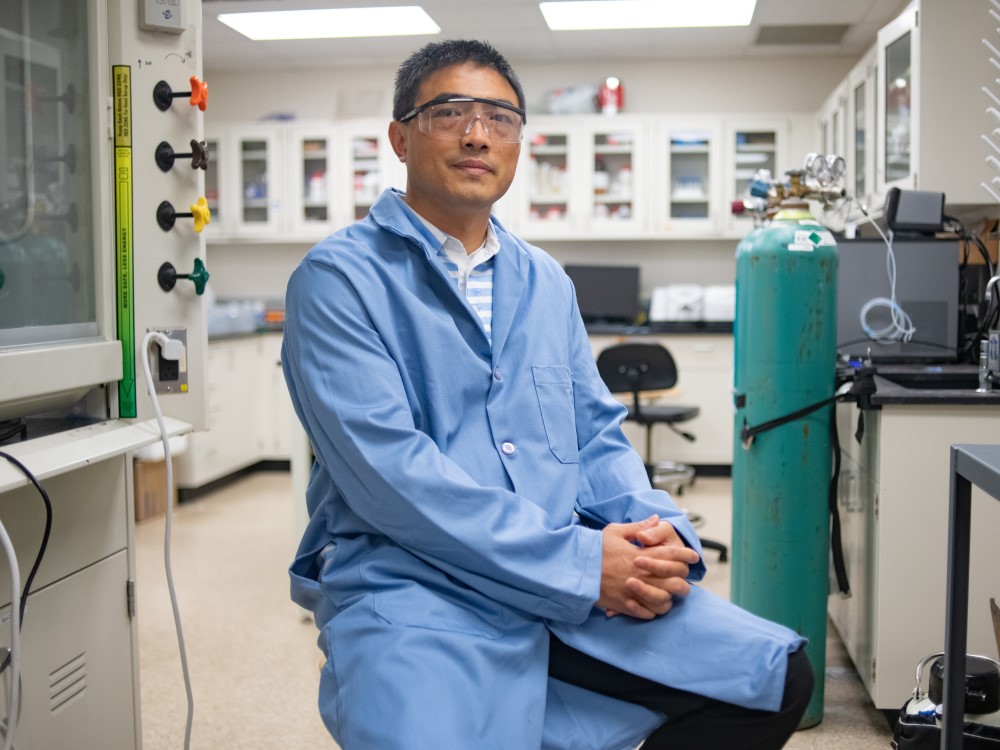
(397,137)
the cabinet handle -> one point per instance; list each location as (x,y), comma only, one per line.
(704,348)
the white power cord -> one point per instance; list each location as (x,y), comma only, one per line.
(901,326)
(170,349)
(15,638)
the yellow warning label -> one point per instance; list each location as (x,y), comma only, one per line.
(122,79)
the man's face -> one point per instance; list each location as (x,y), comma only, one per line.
(462,174)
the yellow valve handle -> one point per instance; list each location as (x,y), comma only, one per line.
(201,214)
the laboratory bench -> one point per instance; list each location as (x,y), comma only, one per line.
(893,496)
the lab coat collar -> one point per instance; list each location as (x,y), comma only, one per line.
(510,272)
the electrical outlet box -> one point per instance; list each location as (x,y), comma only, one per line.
(162,15)
(169,375)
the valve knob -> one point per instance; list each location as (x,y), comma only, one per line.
(166,215)
(163,95)
(69,217)
(167,276)
(68,158)
(67,98)
(199,155)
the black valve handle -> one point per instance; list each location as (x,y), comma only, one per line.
(163,95)
(69,158)
(167,276)
(67,98)
(70,217)
(165,155)
(167,215)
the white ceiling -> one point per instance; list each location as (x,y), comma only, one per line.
(517,29)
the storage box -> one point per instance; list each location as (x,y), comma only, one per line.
(151,488)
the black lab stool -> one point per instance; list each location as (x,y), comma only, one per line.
(639,369)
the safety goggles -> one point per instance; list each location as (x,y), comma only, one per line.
(454,117)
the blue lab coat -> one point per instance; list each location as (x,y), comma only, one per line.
(455,504)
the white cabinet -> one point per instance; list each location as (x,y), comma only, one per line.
(231,441)
(893,503)
(751,144)
(583,177)
(687,180)
(242,183)
(899,97)
(295,181)
(705,379)
(370,166)
(860,150)
(250,415)
(931,108)
(279,425)
(833,123)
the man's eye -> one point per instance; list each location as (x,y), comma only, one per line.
(502,118)
(447,113)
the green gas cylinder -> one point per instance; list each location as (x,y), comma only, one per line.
(785,355)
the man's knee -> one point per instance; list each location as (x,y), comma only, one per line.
(799,681)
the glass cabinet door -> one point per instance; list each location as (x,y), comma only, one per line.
(755,149)
(213,185)
(47,204)
(897,109)
(751,145)
(898,88)
(310,187)
(314,190)
(860,141)
(685,185)
(616,155)
(548,184)
(366,173)
(258,199)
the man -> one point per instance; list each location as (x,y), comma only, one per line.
(486,561)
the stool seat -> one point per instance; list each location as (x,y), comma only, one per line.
(648,415)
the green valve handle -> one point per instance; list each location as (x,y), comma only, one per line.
(167,276)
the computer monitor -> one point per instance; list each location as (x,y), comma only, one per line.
(606,294)
(926,289)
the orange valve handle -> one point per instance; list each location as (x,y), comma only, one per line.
(163,95)
(167,215)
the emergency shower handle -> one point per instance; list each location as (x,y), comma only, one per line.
(167,215)
(198,154)
(163,95)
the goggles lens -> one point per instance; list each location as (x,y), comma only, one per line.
(455,118)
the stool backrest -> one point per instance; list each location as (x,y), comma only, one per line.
(633,368)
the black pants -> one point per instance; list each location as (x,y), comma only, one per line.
(695,721)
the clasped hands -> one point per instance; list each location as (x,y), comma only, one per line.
(642,581)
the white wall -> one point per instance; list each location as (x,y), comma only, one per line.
(753,86)
(794,86)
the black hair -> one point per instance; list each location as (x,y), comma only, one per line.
(438,55)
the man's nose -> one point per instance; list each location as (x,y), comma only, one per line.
(474,135)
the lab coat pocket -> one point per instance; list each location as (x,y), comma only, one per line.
(554,389)
(417,607)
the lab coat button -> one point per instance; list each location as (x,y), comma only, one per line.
(508,448)
(497,375)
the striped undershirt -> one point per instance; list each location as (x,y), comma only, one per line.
(471,272)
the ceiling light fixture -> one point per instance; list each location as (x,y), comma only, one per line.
(645,14)
(332,23)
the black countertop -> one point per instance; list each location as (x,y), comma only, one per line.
(651,329)
(937,385)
